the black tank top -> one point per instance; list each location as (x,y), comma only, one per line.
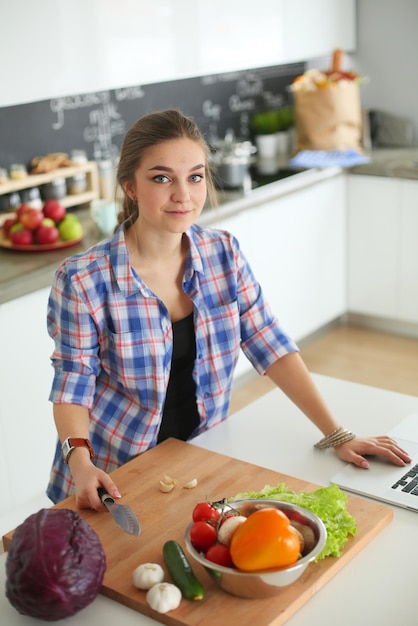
(180,415)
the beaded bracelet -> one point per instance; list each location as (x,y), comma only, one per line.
(338,436)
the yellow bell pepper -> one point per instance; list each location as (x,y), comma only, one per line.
(266,540)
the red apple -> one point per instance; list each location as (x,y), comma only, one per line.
(46,235)
(54,210)
(22,237)
(21,209)
(7,224)
(31,218)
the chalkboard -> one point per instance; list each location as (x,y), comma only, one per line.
(96,122)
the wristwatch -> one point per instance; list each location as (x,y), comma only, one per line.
(75,442)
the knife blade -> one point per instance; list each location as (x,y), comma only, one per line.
(121,513)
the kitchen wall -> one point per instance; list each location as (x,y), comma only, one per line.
(96,121)
(386,53)
(77,74)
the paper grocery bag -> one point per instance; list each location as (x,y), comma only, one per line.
(329,118)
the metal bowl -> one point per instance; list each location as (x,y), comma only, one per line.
(266,583)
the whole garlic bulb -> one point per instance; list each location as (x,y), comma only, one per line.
(164,597)
(147,575)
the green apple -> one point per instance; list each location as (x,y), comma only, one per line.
(71,217)
(16,227)
(47,221)
(70,229)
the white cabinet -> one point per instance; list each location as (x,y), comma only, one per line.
(408,251)
(135,43)
(298,254)
(372,250)
(296,245)
(27,431)
(383,251)
(314,28)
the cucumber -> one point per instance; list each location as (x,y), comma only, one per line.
(181,571)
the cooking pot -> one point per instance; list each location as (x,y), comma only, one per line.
(231,160)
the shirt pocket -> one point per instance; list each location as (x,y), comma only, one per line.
(222,339)
(135,359)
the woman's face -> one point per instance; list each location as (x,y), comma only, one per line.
(170,186)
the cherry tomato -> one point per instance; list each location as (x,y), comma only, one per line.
(226,515)
(220,555)
(202,535)
(205,511)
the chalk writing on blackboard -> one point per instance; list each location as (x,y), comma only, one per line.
(104,118)
(129,93)
(70,103)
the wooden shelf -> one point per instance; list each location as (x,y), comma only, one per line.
(37,180)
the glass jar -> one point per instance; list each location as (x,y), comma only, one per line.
(18,171)
(106,179)
(77,183)
(78,156)
(14,201)
(4,178)
(31,197)
(56,189)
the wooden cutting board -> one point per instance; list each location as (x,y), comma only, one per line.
(165,516)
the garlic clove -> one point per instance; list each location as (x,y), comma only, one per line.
(191,484)
(166,487)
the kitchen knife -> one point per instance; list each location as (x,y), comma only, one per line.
(121,513)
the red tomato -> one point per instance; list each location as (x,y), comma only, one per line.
(205,511)
(202,535)
(220,554)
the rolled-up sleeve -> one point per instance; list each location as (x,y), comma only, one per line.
(75,358)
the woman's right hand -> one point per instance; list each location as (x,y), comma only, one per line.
(88,478)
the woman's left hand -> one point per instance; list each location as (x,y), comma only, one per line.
(353,451)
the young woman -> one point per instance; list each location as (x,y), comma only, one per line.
(148,324)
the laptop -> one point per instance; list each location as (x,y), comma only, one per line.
(384,481)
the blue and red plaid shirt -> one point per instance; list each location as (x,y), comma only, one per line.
(113,342)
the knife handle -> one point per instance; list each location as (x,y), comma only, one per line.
(103,495)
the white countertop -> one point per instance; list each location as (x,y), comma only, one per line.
(233,202)
(379,585)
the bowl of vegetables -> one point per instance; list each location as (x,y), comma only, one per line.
(257,546)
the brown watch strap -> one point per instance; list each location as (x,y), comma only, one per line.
(78,442)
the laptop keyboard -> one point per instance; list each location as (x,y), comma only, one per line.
(408,482)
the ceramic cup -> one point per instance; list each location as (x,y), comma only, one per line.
(104,215)
(266,146)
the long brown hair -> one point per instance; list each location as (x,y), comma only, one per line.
(148,131)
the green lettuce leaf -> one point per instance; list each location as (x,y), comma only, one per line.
(328,503)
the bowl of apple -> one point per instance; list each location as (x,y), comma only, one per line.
(41,230)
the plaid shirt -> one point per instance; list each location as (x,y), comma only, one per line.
(113,342)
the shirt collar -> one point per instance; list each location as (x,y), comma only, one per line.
(194,260)
(127,280)
(119,260)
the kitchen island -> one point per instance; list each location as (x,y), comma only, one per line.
(272,433)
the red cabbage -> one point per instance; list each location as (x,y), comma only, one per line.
(55,565)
